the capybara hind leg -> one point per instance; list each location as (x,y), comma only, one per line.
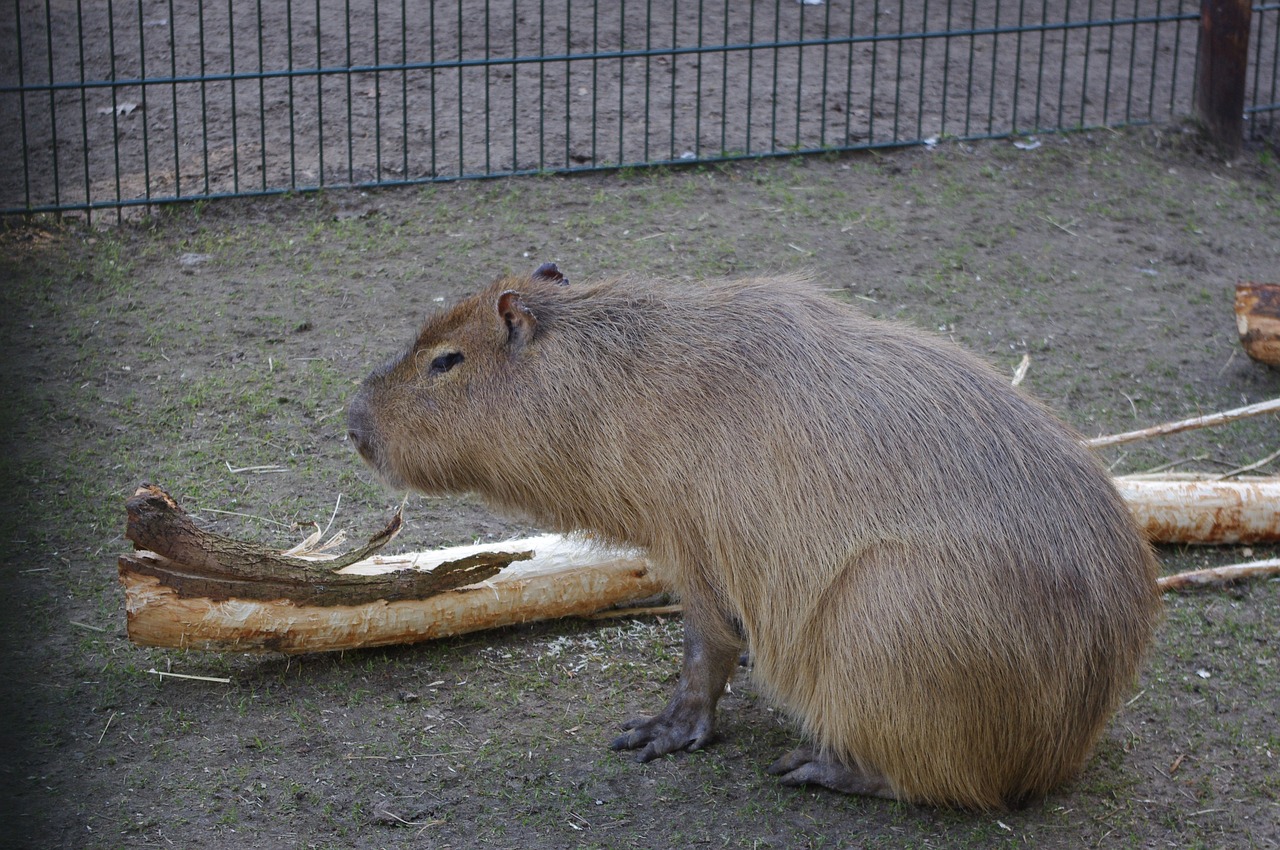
(688,722)
(806,766)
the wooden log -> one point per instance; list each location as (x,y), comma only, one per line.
(565,577)
(1177,510)
(1258,320)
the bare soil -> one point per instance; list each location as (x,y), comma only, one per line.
(211,349)
(248,109)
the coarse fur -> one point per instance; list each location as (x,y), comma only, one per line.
(930,572)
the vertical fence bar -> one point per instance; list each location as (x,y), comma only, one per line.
(515,80)
(22,105)
(262,100)
(1155,58)
(351,141)
(1224,64)
(435,129)
(995,61)
(897,83)
(973,43)
(875,64)
(204,98)
(826,67)
(319,100)
(1111,55)
(462,127)
(751,56)
(1062,70)
(142,77)
(1084,75)
(924,49)
(1044,28)
(622,81)
(115,111)
(53,102)
(404,87)
(595,82)
(235,134)
(1017,66)
(542,84)
(568,85)
(488,105)
(648,73)
(84,107)
(946,70)
(1133,58)
(293,147)
(724,87)
(675,40)
(848,76)
(173,91)
(697,87)
(799,73)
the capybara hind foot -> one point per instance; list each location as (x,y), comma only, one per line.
(685,724)
(806,766)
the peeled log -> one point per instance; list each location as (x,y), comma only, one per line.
(1190,510)
(1258,320)
(564,578)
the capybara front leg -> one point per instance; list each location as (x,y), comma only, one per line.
(806,766)
(688,721)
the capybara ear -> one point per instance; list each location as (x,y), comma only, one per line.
(519,320)
(549,273)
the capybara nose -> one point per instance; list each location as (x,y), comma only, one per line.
(358,425)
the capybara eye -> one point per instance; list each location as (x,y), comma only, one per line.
(444,362)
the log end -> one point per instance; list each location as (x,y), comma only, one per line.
(1257,309)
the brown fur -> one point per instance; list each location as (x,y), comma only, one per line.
(930,573)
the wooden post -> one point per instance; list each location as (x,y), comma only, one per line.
(1224,61)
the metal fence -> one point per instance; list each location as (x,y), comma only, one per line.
(117,104)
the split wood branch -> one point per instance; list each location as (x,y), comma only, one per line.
(200,563)
(1206,421)
(1220,575)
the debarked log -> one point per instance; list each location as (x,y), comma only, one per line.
(565,577)
(1189,509)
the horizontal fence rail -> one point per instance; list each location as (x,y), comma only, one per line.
(117,104)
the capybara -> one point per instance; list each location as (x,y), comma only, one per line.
(929,571)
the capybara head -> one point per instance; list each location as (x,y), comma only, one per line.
(413,417)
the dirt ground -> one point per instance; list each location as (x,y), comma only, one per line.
(210,339)
(477,110)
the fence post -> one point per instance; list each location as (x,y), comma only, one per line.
(1224,62)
